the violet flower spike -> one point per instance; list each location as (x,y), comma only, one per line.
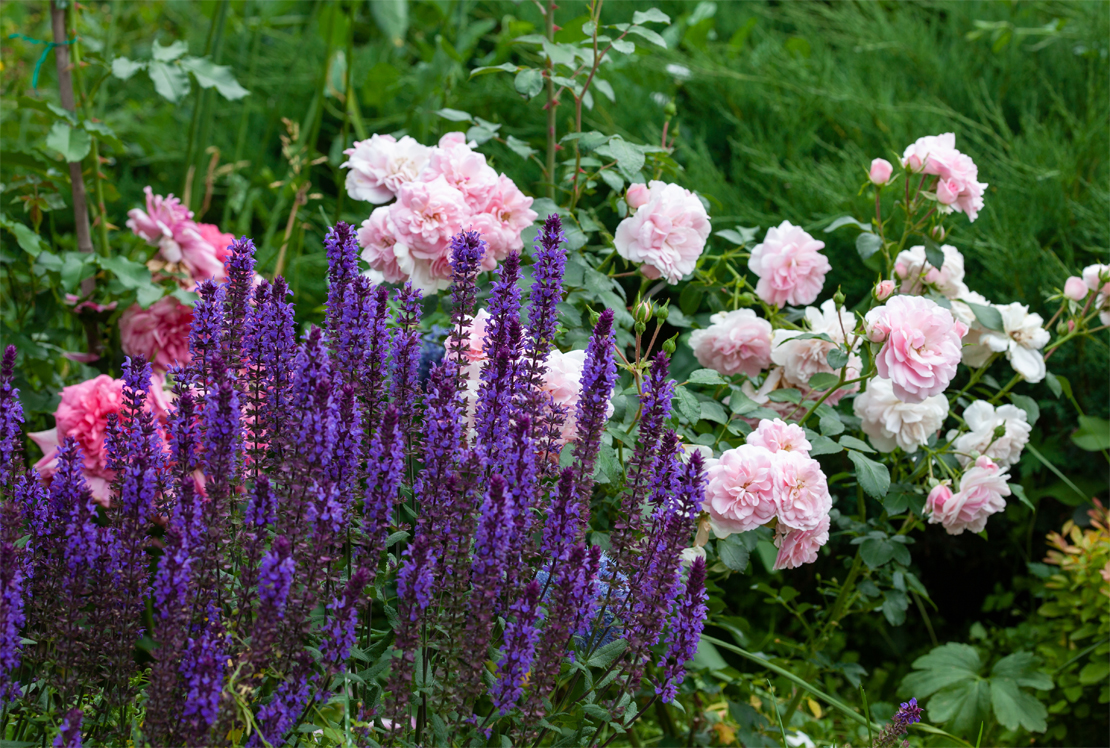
(687,623)
(467,251)
(549,263)
(521,635)
(342,253)
(69,732)
(599,374)
(11,418)
(240,282)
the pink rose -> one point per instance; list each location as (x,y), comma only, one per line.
(981,493)
(220,241)
(790,266)
(1075,288)
(1097,278)
(426,216)
(779,436)
(883,290)
(667,233)
(429,276)
(797,547)
(164,217)
(739,490)
(921,346)
(775,380)
(159,334)
(181,242)
(881,170)
(563,381)
(474,340)
(377,238)
(915,271)
(506,214)
(957,187)
(637,195)
(800,491)
(380,165)
(462,168)
(736,342)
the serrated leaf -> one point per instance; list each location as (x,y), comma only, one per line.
(209,75)
(623,46)
(1013,707)
(988,316)
(605,656)
(124,68)
(876,551)
(629,158)
(28,240)
(170,81)
(837,358)
(830,425)
(822,445)
(72,143)
(1023,668)
(934,254)
(688,407)
(130,274)
(868,244)
(788,395)
(706,376)
(1053,383)
(809,336)
(950,656)
(738,236)
(653,15)
(822,381)
(734,553)
(528,82)
(505,67)
(605,88)
(711,410)
(963,707)
(169,53)
(454,115)
(873,477)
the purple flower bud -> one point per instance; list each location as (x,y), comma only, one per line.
(521,635)
(69,732)
(547,291)
(687,623)
(275,578)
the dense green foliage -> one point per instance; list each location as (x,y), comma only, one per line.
(776,107)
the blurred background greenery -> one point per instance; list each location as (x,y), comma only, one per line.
(780,107)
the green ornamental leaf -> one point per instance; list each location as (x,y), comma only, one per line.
(605,656)
(711,410)
(873,477)
(734,553)
(520,147)
(623,46)
(837,358)
(941,668)
(392,18)
(454,115)
(28,240)
(988,316)
(1015,708)
(852,442)
(963,707)
(170,53)
(1022,668)
(630,159)
(823,445)
(1093,434)
(689,409)
(124,68)
(505,67)
(868,244)
(1018,490)
(706,376)
(1029,405)
(653,15)
(131,274)
(934,254)
(649,35)
(209,75)
(528,82)
(738,236)
(847,221)
(72,143)
(823,380)
(876,551)
(170,81)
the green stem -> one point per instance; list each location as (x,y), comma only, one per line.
(549,31)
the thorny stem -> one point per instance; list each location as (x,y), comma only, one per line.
(549,30)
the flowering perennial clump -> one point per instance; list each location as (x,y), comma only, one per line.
(311,530)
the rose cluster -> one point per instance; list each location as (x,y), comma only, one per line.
(436,192)
(665,232)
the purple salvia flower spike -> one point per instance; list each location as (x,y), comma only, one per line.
(202,669)
(404,388)
(240,282)
(339,632)
(206,329)
(385,466)
(467,251)
(494,411)
(549,262)
(11,418)
(599,374)
(12,618)
(69,732)
(521,635)
(414,592)
(342,253)
(686,626)
(223,439)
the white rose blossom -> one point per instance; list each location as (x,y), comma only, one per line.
(1022,340)
(982,420)
(890,422)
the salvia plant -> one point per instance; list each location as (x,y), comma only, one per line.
(319,537)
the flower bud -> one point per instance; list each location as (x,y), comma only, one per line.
(637,195)
(880,171)
(1062,327)
(838,298)
(594,317)
(642,311)
(745,300)
(999,431)
(670,109)
(661,313)
(640,327)
(939,233)
(1075,289)
(1071,325)
(670,345)
(883,290)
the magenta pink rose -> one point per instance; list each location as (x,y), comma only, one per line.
(736,342)
(377,238)
(667,233)
(921,346)
(881,170)
(981,493)
(159,334)
(220,241)
(800,490)
(778,436)
(790,266)
(379,166)
(739,490)
(181,242)
(797,547)
(426,216)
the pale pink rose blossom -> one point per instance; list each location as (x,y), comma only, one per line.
(958,188)
(883,290)
(982,488)
(428,276)
(736,342)
(739,490)
(918,276)
(1075,288)
(637,195)
(797,547)
(1021,340)
(881,169)
(463,168)
(1102,303)
(379,166)
(169,225)
(563,381)
(778,436)
(1097,278)
(790,266)
(159,334)
(800,490)
(506,213)
(921,346)
(974,354)
(801,359)
(891,423)
(473,338)
(666,235)
(377,238)
(982,419)
(426,216)
(775,380)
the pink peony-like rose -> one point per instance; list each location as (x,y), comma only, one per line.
(159,334)
(801,359)
(797,547)
(921,346)
(981,493)
(1076,289)
(800,490)
(880,172)
(169,225)
(739,490)
(379,166)
(957,187)
(667,233)
(778,436)
(790,266)
(426,216)
(220,241)
(736,342)
(506,214)
(883,290)
(775,380)
(464,169)
(377,237)
(890,422)
(983,420)
(917,275)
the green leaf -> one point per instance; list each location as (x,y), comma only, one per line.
(1053,383)
(837,358)
(104,133)
(1023,668)
(653,15)
(170,81)
(454,115)
(947,657)
(847,221)
(623,46)
(605,656)
(649,35)
(711,410)
(823,445)
(868,244)
(209,75)
(934,254)
(873,476)
(124,68)
(392,18)
(72,143)
(706,376)
(876,551)
(131,274)
(148,294)
(1013,707)
(988,316)
(689,409)
(1019,490)
(505,67)
(170,53)
(629,158)
(520,147)
(852,442)
(738,236)
(734,553)
(1094,672)
(823,380)
(1093,434)
(528,82)
(605,88)
(962,707)
(810,336)
(707,657)
(1029,405)
(788,395)
(28,240)
(830,425)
